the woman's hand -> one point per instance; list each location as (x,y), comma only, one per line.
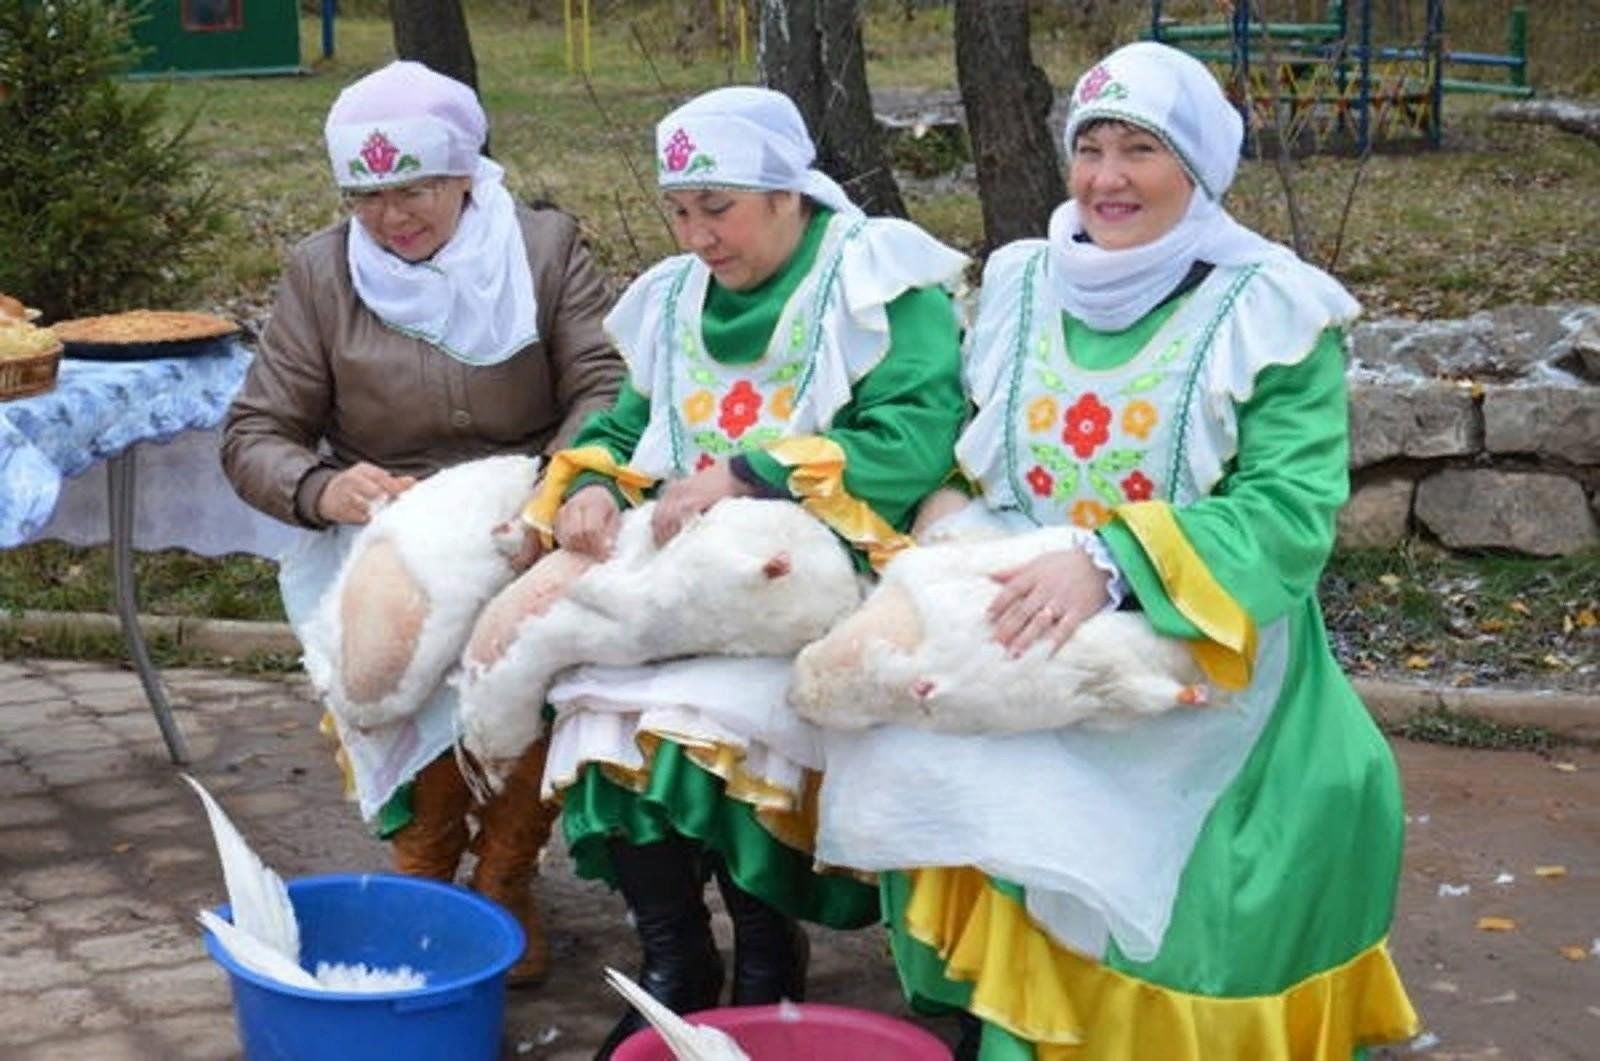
(351,495)
(1047,597)
(587,522)
(683,499)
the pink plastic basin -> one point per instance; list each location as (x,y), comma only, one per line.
(823,1033)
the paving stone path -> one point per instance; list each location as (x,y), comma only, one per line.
(105,857)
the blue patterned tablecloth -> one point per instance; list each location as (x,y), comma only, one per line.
(97,410)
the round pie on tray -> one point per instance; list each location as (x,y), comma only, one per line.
(142,334)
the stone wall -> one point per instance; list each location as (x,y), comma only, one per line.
(1481,433)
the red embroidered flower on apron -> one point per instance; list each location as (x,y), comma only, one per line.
(740,407)
(1088,426)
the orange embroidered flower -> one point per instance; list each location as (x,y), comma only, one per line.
(1138,487)
(1088,426)
(1039,480)
(1041,413)
(1138,418)
(698,407)
(781,404)
(1089,514)
(740,407)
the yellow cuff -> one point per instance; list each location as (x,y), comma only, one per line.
(1228,655)
(565,466)
(816,476)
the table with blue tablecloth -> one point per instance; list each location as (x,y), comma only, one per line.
(104,418)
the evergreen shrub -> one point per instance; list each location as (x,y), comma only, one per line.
(102,205)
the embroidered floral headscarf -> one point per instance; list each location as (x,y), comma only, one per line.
(1173,96)
(474,298)
(743,137)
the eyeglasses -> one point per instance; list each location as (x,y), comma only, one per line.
(410,198)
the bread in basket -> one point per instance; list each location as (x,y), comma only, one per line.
(29,355)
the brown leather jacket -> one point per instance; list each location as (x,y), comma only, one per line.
(332,385)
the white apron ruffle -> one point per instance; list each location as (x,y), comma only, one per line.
(709,701)
(862,265)
(1269,313)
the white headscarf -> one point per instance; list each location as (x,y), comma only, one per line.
(474,298)
(743,137)
(1173,96)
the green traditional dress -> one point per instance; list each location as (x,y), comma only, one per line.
(1231,896)
(838,381)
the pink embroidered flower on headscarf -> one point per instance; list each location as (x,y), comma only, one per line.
(677,152)
(1093,82)
(379,154)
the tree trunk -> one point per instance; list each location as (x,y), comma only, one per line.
(811,50)
(434,33)
(1007,100)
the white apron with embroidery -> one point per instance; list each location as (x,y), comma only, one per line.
(1097,827)
(833,330)
(385,757)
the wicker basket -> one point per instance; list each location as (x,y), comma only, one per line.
(35,374)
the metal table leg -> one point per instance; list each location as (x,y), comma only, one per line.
(120,480)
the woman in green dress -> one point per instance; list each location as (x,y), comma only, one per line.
(797,350)
(1211,883)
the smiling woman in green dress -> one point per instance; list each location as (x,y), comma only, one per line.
(1208,884)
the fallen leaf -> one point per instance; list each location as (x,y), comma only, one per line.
(1425,1041)
(1519,607)
(1418,662)
(1574,954)
(1506,878)
(1550,871)
(1450,891)
(1587,618)
(1389,580)
(1496,924)
(1554,662)
(1492,626)
(1444,987)
(1498,1000)
(1594,1011)
(122,848)
(1565,768)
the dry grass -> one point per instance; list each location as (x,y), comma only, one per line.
(1490,219)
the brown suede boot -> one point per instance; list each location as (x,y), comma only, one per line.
(512,828)
(432,843)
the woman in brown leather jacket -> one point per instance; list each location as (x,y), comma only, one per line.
(440,322)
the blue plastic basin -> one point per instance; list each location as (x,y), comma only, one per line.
(461,942)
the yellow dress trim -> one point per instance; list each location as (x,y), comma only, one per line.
(565,466)
(816,476)
(1026,983)
(330,729)
(1228,656)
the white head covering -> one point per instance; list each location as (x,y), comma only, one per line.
(474,298)
(1174,97)
(743,137)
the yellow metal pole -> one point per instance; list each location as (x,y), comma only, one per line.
(744,35)
(566,25)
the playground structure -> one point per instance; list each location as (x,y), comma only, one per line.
(1327,85)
